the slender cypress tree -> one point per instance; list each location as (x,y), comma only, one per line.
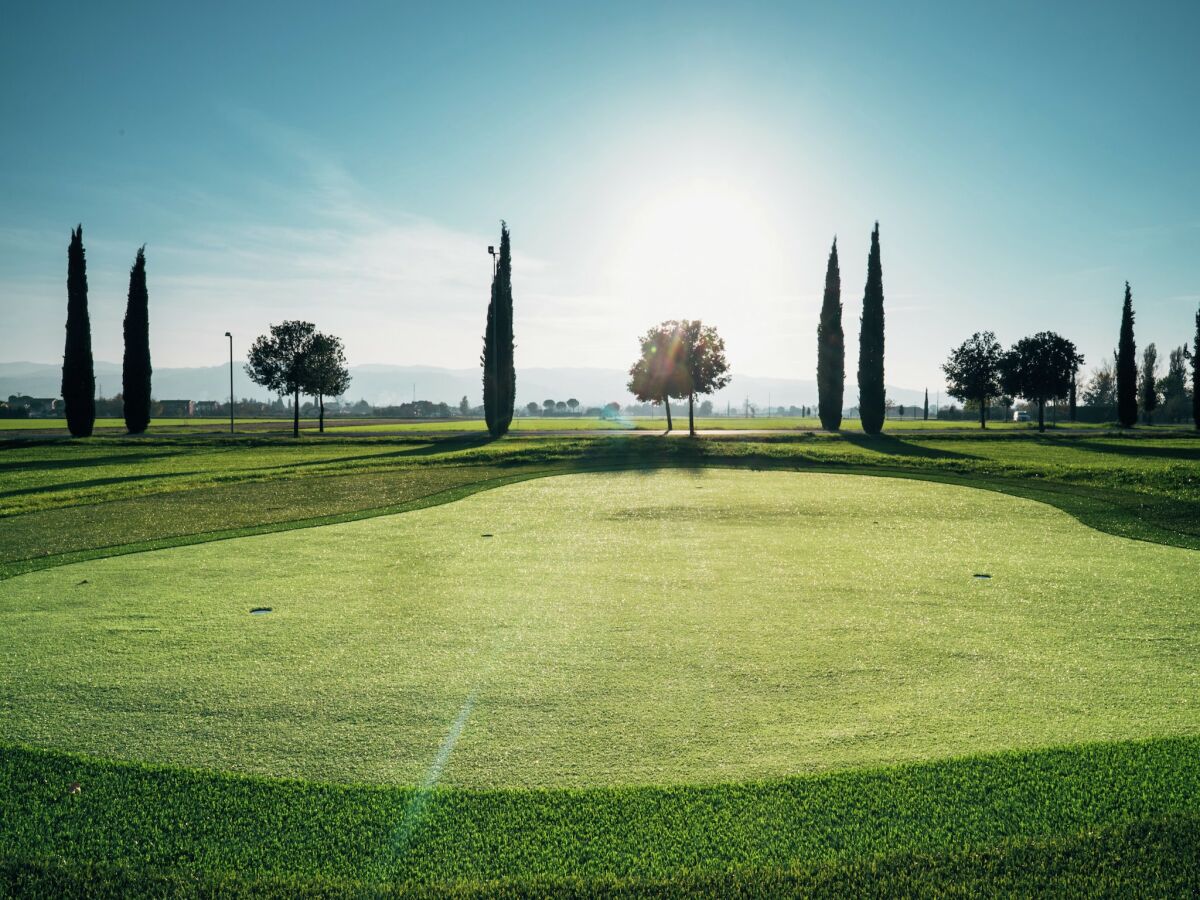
(1149,389)
(925,416)
(871,395)
(79,376)
(135,374)
(831,348)
(499,372)
(1127,405)
(1196,374)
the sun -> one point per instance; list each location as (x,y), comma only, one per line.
(701,242)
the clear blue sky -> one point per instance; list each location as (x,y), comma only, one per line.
(348,163)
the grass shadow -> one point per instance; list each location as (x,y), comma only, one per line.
(1136,448)
(94,482)
(890,446)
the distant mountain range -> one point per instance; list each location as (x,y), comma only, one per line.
(384,385)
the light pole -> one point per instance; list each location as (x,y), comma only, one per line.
(230,336)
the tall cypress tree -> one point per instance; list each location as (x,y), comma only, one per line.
(1196,374)
(925,414)
(1127,405)
(871,394)
(499,373)
(831,348)
(135,374)
(79,376)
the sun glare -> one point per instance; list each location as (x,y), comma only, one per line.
(706,240)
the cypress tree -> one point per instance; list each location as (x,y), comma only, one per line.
(871,394)
(1196,374)
(135,373)
(79,376)
(926,413)
(831,348)
(499,372)
(1149,382)
(1127,405)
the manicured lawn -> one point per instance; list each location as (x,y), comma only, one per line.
(617,628)
(587,702)
(165,424)
(1106,819)
(655,423)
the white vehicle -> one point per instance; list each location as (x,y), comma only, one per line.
(1019,415)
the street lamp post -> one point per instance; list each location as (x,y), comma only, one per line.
(230,336)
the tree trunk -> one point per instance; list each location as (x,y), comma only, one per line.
(296,413)
(983,413)
(321,403)
(667,407)
(1041,415)
(691,415)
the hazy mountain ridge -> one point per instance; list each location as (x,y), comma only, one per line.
(382,384)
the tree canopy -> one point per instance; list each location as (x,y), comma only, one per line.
(831,348)
(78,373)
(1148,391)
(499,372)
(659,372)
(872,399)
(679,358)
(136,369)
(278,361)
(1040,368)
(325,371)
(1127,404)
(973,371)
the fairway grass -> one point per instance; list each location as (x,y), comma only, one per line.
(617,629)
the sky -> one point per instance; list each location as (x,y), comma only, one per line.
(350,163)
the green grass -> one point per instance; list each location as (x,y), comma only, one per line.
(163,424)
(60,500)
(648,628)
(1094,817)
(705,423)
(588,762)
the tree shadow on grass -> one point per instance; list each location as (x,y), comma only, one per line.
(1187,453)
(890,446)
(431,446)
(646,453)
(94,482)
(81,462)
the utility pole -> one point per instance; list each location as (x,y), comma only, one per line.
(230,336)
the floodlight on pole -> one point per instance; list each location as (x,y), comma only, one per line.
(230,336)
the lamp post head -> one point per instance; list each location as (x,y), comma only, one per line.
(228,335)
(492,249)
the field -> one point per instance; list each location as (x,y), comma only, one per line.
(594,664)
(548,424)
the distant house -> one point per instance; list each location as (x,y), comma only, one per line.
(207,407)
(177,409)
(38,407)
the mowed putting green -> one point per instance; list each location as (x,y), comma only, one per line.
(599,629)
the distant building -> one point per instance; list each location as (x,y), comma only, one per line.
(207,407)
(38,407)
(177,409)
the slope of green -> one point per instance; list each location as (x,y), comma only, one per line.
(60,501)
(634,627)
